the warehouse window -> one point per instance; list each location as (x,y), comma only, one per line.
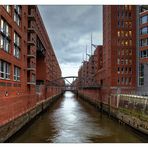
(16,51)
(126,7)
(130,70)
(141,74)
(17,12)
(130,33)
(126,42)
(144,54)
(122,80)
(130,24)
(5,36)
(33,78)
(118,70)
(144,42)
(4,70)
(130,61)
(122,70)
(126,61)
(16,73)
(144,30)
(144,19)
(4,43)
(8,8)
(118,61)
(118,33)
(126,33)
(130,42)
(118,80)
(130,14)
(126,70)
(130,51)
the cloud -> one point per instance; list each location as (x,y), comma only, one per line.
(69,29)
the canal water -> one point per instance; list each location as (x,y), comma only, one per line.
(71,120)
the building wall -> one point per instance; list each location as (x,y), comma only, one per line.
(115,61)
(11,87)
(37,61)
(119,36)
(143,49)
(98,55)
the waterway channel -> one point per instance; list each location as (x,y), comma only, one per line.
(71,120)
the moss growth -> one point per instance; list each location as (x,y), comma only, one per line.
(137,114)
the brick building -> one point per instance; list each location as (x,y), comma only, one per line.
(13,50)
(143,49)
(83,74)
(27,58)
(119,49)
(98,55)
(115,61)
(91,71)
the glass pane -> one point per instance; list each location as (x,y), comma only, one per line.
(2,25)
(2,42)
(144,19)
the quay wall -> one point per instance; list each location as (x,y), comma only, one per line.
(127,109)
(11,127)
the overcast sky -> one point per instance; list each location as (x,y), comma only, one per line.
(69,29)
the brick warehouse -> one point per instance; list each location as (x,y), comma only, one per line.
(143,49)
(116,60)
(27,61)
(119,49)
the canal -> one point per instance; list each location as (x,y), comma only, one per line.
(71,120)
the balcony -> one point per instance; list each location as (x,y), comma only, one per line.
(31,29)
(31,17)
(31,55)
(31,68)
(31,42)
(31,83)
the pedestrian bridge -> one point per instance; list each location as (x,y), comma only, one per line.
(72,83)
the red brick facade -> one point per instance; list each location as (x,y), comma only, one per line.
(143,49)
(115,61)
(119,48)
(26,59)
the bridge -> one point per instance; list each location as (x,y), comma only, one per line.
(72,83)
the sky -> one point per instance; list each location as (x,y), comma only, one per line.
(69,29)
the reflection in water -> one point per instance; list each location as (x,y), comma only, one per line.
(71,120)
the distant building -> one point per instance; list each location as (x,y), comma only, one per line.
(114,62)
(98,58)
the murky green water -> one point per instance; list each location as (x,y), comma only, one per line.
(72,120)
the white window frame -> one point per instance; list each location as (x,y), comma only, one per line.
(16,14)
(6,70)
(5,27)
(16,50)
(16,75)
(8,8)
(4,43)
(16,39)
